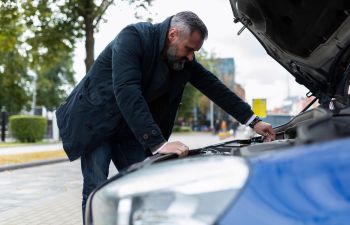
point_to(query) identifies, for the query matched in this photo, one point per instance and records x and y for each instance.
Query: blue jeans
(95, 164)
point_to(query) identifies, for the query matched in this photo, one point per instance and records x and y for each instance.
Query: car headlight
(188, 191)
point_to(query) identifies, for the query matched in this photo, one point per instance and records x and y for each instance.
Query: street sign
(259, 107)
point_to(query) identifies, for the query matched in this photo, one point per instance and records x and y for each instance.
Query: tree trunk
(89, 42)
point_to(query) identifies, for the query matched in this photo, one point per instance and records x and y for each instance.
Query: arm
(126, 66)
(215, 90)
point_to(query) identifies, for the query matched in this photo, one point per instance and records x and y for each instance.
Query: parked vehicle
(300, 178)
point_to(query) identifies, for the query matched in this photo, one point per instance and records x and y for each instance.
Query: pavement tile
(52, 211)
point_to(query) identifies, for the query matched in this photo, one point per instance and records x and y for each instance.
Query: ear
(172, 34)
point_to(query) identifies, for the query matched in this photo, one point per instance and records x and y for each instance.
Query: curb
(32, 164)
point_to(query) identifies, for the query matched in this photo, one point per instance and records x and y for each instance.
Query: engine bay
(312, 126)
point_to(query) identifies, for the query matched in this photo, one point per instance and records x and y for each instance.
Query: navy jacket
(125, 79)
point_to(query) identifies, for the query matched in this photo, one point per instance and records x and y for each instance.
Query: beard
(175, 62)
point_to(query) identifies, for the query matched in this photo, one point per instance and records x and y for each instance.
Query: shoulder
(144, 29)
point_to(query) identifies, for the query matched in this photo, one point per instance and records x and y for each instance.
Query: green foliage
(178, 128)
(191, 95)
(39, 36)
(13, 63)
(28, 128)
(189, 100)
(52, 45)
(34, 38)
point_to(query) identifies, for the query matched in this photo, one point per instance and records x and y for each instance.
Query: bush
(185, 129)
(28, 128)
(177, 128)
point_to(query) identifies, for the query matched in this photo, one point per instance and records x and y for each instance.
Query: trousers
(95, 164)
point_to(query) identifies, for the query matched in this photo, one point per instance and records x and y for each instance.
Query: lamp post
(33, 74)
(211, 68)
(3, 123)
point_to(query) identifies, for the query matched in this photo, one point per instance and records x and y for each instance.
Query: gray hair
(188, 22)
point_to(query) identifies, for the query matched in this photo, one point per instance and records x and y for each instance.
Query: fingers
(272, 133)
(184, 150)
(266, 130)
(269, 134)
(175, 147)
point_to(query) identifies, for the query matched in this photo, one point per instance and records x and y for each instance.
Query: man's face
(181, 47)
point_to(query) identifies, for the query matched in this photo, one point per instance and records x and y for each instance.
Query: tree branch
(101, 10)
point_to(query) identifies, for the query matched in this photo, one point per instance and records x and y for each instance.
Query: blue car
(303, 177)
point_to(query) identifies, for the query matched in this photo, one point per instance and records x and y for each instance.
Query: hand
(265, 129)
(175, 147)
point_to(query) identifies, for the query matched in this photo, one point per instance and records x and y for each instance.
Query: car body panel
(304, 185)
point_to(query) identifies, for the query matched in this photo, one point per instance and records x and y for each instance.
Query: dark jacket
(126, 78)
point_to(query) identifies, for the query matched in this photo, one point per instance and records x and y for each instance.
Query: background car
(300, 178)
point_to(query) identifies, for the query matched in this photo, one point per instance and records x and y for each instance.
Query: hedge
(178, 128)
(26, 128)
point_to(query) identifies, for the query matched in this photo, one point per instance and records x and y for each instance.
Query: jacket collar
(163, 28)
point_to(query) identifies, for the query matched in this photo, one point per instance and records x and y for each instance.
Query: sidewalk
(51, 194)
(63, 209)
(30, 148)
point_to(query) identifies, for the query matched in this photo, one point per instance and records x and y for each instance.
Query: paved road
(51, 194)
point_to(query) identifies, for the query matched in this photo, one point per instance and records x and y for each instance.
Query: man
(124, 108)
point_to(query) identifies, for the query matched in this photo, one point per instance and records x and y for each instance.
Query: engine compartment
(316, 125)
(312, 126)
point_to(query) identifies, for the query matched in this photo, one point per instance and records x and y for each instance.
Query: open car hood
(310, 38)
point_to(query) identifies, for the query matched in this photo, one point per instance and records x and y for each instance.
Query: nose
(190, 56)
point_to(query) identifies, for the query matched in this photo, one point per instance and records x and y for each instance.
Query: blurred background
(46, 47)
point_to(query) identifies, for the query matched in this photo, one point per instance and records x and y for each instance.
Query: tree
(51, 50)
(62, 24)
(39, 37)
(209, 61)
(86, 15)
(192, 97)
(13, 63)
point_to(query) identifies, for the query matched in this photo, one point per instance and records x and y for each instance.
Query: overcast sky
(258, 73)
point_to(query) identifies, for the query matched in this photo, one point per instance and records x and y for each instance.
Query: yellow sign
(259, 107)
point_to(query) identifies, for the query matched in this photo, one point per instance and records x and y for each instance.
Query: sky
(258, 73)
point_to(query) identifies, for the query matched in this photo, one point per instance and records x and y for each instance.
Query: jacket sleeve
(215, 90)
(127, 55)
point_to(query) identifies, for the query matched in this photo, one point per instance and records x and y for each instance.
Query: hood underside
(310, 38)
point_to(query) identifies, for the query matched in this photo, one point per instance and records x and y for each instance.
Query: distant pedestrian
(217, 126)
